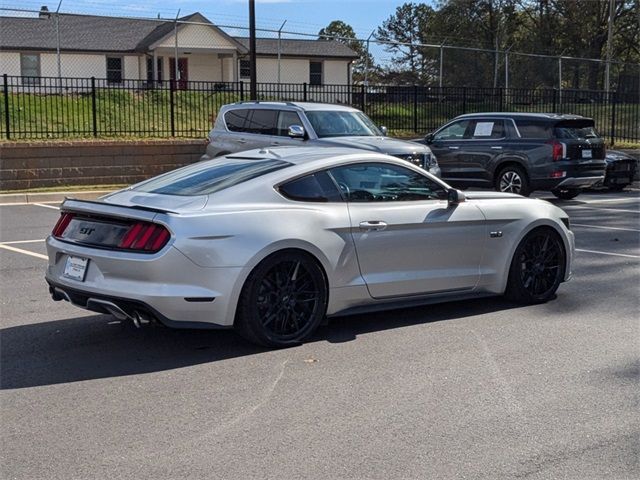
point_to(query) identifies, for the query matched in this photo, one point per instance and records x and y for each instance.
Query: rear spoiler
(136, 212)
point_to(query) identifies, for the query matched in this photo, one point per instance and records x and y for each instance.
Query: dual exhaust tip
(137, 317)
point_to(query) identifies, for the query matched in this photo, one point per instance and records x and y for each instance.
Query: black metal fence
(45, 107)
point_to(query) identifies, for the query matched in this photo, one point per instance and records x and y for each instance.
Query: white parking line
(20, 241)
(19, 204)
(605, 228)
(45, 206)
(607, 253)
(612, 200)
(601, 209)
(25, 252)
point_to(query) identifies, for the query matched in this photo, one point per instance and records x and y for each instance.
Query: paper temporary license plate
(587, 153)
(76, 268)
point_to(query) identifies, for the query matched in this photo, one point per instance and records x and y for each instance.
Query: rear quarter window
(317, 187)
(534, 129)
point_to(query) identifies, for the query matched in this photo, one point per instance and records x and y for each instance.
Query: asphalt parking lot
(470, 390)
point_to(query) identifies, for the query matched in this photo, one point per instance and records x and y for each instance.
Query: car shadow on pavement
(98, 346)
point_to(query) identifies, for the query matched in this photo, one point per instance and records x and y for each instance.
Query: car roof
(304, 106)
(541, 116)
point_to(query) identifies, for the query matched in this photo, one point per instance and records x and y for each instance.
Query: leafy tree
(404, 30)
(342, 32)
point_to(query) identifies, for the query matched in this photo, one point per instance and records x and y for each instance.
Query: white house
(120, 49)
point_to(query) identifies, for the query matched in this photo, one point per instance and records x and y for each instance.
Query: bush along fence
(48, 108)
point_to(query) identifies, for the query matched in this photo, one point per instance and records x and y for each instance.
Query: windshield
(342, 124)
(205, 179)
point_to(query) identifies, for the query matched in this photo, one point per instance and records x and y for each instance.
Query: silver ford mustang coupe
(271, 242)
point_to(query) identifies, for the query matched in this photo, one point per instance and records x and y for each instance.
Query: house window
(158, 69)
(114, 70)
(30, 68)
(315, 73)
(245, 68)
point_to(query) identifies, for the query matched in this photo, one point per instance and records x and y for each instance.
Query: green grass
(147, 114)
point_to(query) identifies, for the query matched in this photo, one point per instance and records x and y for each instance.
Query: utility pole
(253, 88)
(58, 43)
(176, 71)
(607, 78)
(279, 50)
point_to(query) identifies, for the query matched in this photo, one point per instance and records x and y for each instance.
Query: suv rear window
(205, 179)
(576, 129)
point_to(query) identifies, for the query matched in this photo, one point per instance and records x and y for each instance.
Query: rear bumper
(568, 182)
(166, 286)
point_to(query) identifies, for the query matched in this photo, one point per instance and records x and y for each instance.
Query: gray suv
(520, 152)
(248, 125)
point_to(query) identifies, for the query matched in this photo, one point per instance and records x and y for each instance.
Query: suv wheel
(512, 179)
(566, 193)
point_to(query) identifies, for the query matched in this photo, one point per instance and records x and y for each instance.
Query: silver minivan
(254, 124)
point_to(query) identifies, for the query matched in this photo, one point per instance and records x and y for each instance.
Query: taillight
(149, 237)
(557, 150)
(62, 224)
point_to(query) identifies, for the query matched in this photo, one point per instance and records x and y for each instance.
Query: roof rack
(291, 104)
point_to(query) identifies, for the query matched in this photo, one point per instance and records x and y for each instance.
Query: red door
(183, 72)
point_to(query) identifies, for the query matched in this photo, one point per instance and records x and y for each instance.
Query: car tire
(566, 193)
(283, 300)
(537, 267)
(512, 179)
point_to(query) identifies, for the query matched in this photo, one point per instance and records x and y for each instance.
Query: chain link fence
(81, 75)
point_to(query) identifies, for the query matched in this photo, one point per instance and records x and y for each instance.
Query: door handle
(373, 225)
(275, 144)
(497, 148)
(241, 140)
(454, 148)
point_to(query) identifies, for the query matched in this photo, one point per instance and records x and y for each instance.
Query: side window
(455, 131)
(30, 68)
(262, 122)
(114, 70)
(534, 129)
(381, 182)
(245, 69)
(315, 73)
(317, 187)
(487, 129)
(285, 120)
(236, 119)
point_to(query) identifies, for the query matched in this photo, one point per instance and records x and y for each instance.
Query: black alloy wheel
(566, 193)
(537, 267)
(283, 300)
(512, 179)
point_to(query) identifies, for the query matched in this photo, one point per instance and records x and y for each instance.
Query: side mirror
(428, 139)
(384, 131)
(296, 131)
(455, 197)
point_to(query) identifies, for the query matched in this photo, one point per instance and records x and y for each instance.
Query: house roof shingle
(92, 33)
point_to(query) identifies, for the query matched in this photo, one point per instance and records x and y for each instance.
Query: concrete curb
(49, 197)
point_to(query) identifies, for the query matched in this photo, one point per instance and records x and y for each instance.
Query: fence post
(94, 113)
(172, 88)
(501, 99)
(7, 123)
(304, 92)
(555, 100)
(464, 100)
(612, 100)
(363, 92)
(241, 91)
(415, 108)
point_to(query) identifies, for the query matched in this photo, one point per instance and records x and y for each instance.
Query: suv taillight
(150, 237)
(62, 224)
(557, 150)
